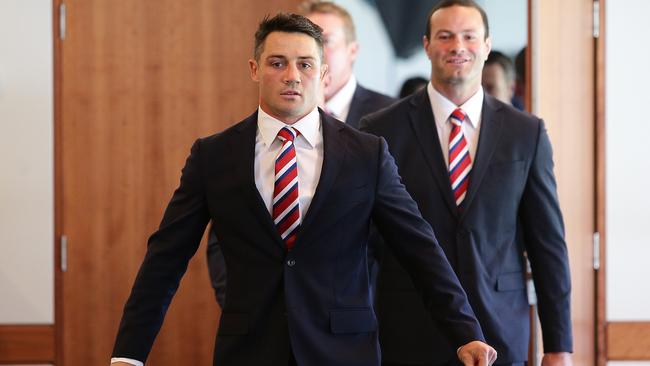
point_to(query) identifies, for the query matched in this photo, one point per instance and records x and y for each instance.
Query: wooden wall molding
(628, 341)
(26, 344)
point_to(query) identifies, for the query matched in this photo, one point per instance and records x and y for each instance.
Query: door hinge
(64, 253)
(62, 25)
(596, 20)
(596, 244)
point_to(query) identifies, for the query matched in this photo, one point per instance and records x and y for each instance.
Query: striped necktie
(460, 163)
(286, 211)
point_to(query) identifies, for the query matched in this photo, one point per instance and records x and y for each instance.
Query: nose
(291, 75)
(457, 43)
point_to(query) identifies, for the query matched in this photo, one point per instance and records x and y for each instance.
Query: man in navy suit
(345, 99)
(298, 279)
(481, 173)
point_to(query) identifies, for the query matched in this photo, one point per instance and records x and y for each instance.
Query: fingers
(477, 354)
(492, 356)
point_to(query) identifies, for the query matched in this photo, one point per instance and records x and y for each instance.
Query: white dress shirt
(339, 104)
(309, 157)
(442, 109)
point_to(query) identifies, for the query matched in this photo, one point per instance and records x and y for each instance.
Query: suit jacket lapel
(355, 107)
(244, 149)
(333, 154)
(489, 134)
(422, 121)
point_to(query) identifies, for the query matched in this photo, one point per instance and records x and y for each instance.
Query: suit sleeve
(217, 268)
(413, 242)
(543, 230)
(169, 250)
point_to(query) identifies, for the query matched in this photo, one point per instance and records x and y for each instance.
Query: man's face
(457, 47)
(339, 54)
(289, 72)
(496, 83)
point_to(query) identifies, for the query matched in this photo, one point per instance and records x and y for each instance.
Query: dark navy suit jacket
(364, 101)
(511, 206)
(313, 300)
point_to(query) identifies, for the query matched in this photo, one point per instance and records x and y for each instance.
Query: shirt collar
(443, 107)
(308, 126)
(339, 104)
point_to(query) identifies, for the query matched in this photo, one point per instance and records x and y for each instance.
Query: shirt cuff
(127, 360)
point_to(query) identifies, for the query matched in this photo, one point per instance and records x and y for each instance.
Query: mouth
(290, 93)
(457, 60)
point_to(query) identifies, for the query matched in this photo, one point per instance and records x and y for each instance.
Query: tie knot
(458, 116)
(287, 133)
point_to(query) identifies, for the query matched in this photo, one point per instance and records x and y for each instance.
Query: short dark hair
(498, 58)
(290, 23)
(412, 85)
(449, 3)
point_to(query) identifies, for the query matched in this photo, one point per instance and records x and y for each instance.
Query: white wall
(26, 160)
(627, 163)
(379, 69)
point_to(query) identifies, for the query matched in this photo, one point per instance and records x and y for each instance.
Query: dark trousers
(292, 359)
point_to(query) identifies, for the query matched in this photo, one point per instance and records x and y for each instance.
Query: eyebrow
(300, 58)
(462, 31)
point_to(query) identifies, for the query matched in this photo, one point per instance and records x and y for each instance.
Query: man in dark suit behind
(291, 192)
(503, 202)
(345, 99)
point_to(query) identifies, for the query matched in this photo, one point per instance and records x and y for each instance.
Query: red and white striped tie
(460, 163)
(286, 211)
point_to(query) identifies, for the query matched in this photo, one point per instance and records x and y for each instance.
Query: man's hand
(557, 359)
(477, 353)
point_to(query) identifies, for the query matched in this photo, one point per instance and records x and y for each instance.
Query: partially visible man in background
(345, 98)
(499, 77)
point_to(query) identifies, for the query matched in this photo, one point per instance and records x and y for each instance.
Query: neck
(335, 88)
(285, 118)
(457, 93)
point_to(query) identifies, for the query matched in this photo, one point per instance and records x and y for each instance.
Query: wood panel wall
(21, 344)
(140, 81)
(628, 341)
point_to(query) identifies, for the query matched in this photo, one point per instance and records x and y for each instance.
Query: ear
(488, 45)
(253, 66)
(323, 71)
(353, 50)
(425, 44)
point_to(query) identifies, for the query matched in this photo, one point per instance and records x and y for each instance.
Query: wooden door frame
(58, 183)
(599, 44)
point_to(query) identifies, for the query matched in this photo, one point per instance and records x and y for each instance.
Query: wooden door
(137, 82)
(564, 95)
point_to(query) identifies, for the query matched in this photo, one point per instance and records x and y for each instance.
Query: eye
(470, 37)
(444, 36)
(305, 65)
(276, 64)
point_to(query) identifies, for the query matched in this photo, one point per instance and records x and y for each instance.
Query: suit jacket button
(291, 262)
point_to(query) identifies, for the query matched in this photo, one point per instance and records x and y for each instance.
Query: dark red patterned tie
(460, 163)
(286, 210)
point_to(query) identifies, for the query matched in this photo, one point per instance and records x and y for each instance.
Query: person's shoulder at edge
(390, 114)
